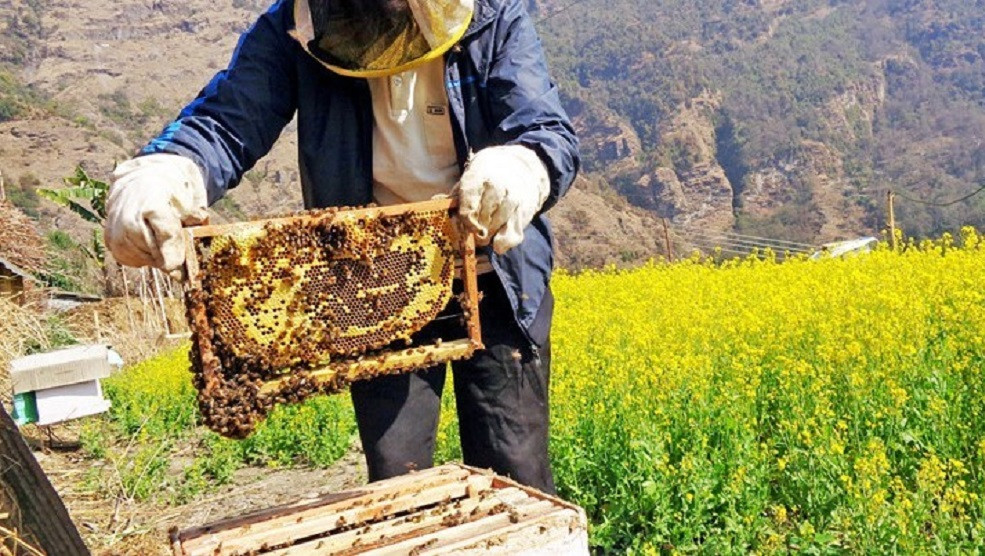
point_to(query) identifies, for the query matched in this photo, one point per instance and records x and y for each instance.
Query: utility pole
(891, 201)
(667, 245)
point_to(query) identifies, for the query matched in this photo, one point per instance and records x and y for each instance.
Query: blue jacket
(498, 89)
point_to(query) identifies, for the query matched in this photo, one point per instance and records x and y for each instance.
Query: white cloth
(500, 192)
(502, 187)
(151, 198)
(414, 155)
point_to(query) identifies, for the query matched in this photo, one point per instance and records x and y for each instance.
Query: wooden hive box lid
(59, 368)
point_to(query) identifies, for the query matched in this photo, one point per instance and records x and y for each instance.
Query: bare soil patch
(118, 526)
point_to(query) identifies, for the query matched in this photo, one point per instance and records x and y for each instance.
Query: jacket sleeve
(525, 104)
(238, 116)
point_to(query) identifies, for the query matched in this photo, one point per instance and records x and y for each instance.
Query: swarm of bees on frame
(279, 301)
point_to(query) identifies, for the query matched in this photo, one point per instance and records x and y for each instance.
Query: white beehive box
(60, 385)
(451, 509)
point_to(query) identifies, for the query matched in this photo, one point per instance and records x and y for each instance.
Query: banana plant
(81, 188)
(85, 197)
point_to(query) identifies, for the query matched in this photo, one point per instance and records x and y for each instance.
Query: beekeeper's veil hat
(376, 38)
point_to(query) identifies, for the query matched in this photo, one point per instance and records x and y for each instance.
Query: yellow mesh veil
(349, 48)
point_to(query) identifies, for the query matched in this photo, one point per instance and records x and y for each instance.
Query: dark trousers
(501, 394)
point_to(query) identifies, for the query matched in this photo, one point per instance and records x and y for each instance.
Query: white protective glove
(499, 194)
(151, 198)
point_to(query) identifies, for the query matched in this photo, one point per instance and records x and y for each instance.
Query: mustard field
(807, 406)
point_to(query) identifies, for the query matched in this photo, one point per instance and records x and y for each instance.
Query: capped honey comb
(286, 308)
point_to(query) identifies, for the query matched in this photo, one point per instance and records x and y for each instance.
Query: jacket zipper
(457, 114)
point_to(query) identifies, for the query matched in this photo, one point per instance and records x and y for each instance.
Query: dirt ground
(126, 527)
(113, 524)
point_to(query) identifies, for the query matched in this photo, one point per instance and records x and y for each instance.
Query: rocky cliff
(776, 118)
(116, 72)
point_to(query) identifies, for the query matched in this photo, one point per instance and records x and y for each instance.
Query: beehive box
(285, 308)
(59, 385)
(451, 509)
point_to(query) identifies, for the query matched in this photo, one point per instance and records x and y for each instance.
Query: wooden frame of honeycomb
(285, 308)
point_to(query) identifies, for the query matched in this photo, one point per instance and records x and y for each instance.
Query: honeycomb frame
(233, 396)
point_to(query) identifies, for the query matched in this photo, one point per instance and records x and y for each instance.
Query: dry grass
(124, 323)
(135, 330)
(22, 326)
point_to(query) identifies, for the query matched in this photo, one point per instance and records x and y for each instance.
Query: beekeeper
(397, 101)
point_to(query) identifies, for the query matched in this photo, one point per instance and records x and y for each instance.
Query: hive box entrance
(285, 308)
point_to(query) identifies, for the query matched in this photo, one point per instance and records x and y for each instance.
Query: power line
(715, 235)
(727, 250)
(734, 234)
(945, 204)
(700, 245)
(693, 235)
(704, 245)
(737, 235)
(745, 243)
(749, 239)
(711, 244)
(559, 11)
(713, 239)
(745, 236)
(716, 242)
(732, 250)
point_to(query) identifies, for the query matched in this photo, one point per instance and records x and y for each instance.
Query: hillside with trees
(795, 116)
(779, 118)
